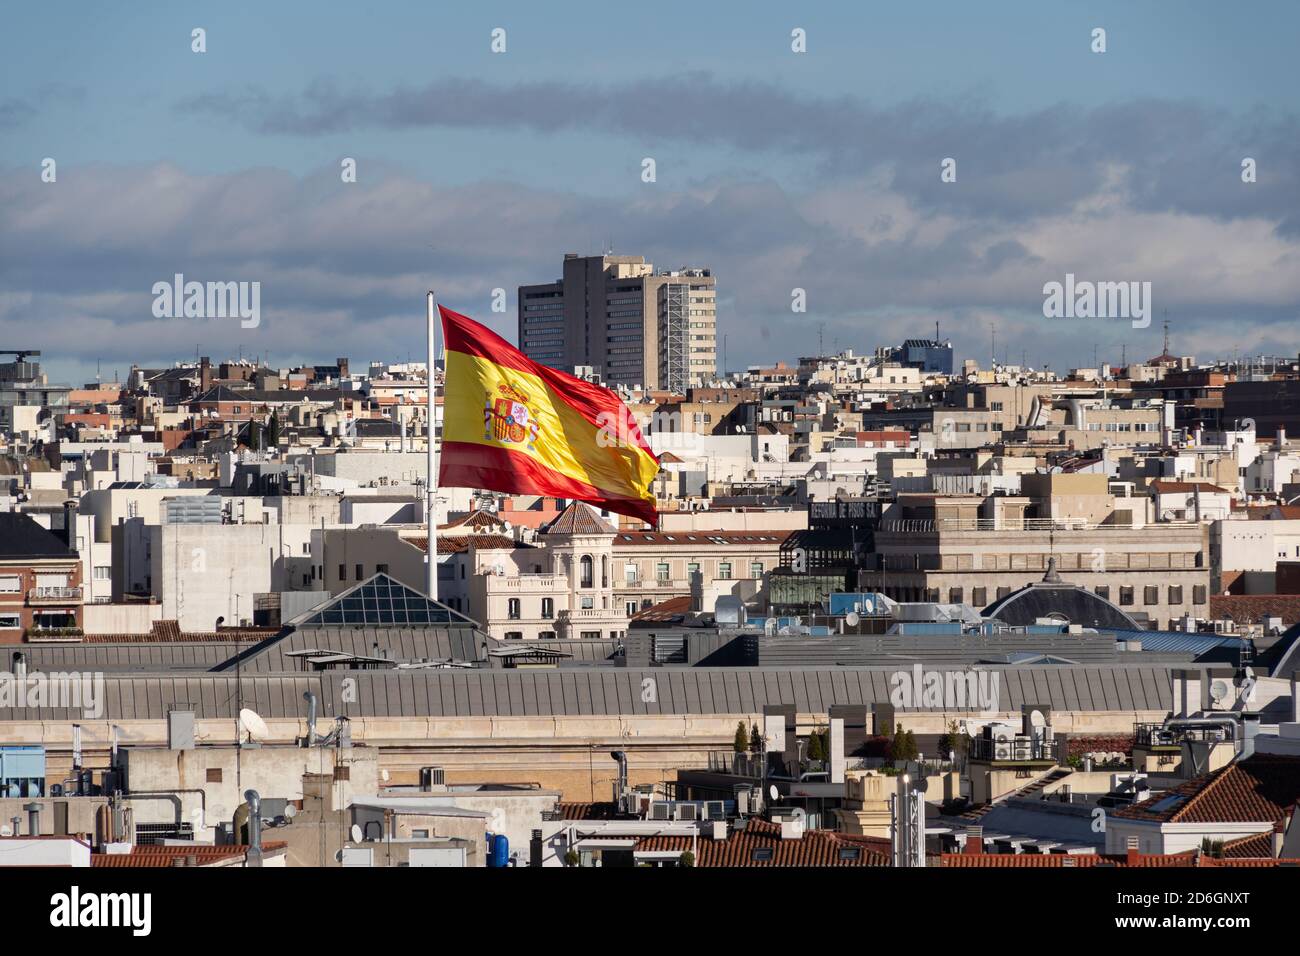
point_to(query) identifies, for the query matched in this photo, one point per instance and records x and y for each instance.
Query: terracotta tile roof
(477, 520)
(1057, 860)
(1259, 789)
(586, 811)
(1166, 486)
(1252, 847)
(664, 611)
(1253, 608)
(460, 544)
(578, 518)
(814, 848)
(150, 855)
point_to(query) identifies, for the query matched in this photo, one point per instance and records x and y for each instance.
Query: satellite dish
(356, 833)
(852, 619)
(290, 811)
(1037, 719)
(1219, 691)
(774, 793)
(253, 725)
(6, 831)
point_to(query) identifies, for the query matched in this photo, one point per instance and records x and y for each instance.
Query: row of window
(1127, 594)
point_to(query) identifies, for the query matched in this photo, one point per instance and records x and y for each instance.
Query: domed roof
(1059, 600)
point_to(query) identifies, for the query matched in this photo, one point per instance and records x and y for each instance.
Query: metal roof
(593, 691)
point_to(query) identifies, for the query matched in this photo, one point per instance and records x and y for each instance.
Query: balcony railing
(53, 595)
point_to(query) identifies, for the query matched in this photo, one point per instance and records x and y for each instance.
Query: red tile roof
(586, 811)
(1253, 608)
(814, 848)
(1259, 789)
(1057, 860)
(578, 519)
(169, 632)
(150, 855)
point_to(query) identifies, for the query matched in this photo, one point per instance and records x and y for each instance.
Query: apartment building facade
(977, 550)
(629, 323)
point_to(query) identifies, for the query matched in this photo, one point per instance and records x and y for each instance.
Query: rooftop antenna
(1166, 348)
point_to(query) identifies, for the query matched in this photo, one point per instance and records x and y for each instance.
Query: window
(631, 573)
(1126, 596)
(512, 609)
(692, 568)
(979, 596)
(1103, 591)
(1198, 594)
(585, 573)
(1175, 594)
(954, 595)
(755, 569)
(587, 603)
(343, 572)
(381, 569)
(591, 635)
(548, 608)
(420, 834)
(547, 635)
(1151, 595)
(10, 583)
(103, 572)
(724, 570)
(361, 573)
(514, 635)
(661, 571)
(214, 775)
(9, 622)
(631, 608)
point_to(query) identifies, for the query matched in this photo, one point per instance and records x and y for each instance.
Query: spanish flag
(512, 425)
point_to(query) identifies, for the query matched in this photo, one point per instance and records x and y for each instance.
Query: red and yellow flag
(512, 425)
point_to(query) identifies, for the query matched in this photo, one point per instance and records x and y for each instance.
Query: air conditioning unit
(661, 811)
(715, 810)
(687, 812)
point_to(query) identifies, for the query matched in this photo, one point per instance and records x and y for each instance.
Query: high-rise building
(631, 324)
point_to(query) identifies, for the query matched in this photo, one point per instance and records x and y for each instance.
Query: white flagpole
(431, 485)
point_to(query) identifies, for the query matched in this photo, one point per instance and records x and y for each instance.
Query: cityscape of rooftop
(572, 438)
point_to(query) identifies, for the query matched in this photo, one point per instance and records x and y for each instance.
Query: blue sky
(478, 170)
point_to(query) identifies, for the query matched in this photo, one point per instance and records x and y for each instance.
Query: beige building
(977, 550)
(632, 325)
(654, 566)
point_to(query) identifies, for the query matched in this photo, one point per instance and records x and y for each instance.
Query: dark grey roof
(594, 691)
(21, 537)
(1073, 604)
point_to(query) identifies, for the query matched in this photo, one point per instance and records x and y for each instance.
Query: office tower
(631, 324)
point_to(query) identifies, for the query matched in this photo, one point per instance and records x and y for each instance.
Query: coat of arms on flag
(506, 417)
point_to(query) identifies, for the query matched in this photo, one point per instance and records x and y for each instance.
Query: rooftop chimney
(1131, 844)
(974, 841)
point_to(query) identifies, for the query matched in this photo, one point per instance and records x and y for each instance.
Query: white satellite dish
(774, 793)
(252, 724)
(1219, 691)
(1037, 719)
(290, 811)
(852, 619)
(356, 833)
